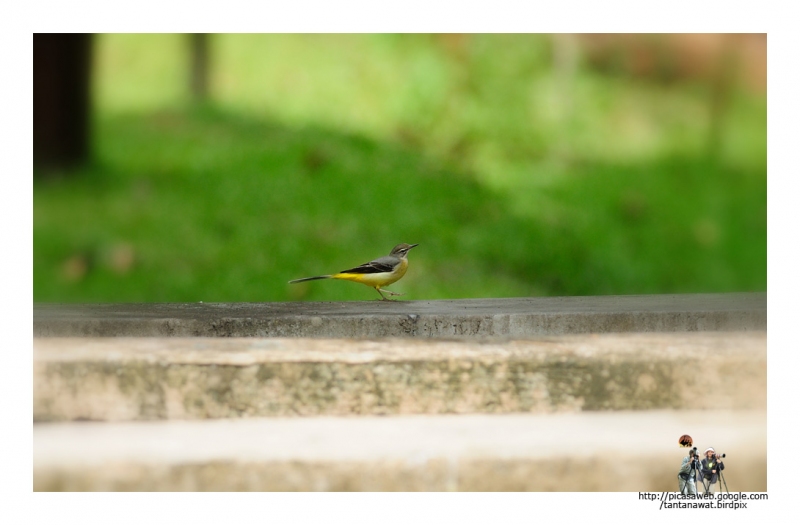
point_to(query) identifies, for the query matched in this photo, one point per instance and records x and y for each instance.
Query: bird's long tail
(311, 278)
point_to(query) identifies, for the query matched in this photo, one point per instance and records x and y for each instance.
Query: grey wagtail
(383, 271)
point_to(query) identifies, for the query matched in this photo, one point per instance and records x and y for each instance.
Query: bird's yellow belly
(375, 279)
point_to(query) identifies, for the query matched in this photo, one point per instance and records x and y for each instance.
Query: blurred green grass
(319, 152)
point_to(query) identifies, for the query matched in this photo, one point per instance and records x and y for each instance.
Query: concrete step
(517, 318)
(599, 451)
(197, 378)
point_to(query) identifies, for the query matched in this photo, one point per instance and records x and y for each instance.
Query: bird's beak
(413, 245)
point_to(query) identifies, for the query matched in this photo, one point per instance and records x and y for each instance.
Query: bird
(378, 273)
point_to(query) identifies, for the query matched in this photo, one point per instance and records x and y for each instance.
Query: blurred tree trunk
(199, 73)
(722, 84)
(566, 54)
(61, 82)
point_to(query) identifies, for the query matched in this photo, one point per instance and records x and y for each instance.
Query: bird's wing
(382, 265)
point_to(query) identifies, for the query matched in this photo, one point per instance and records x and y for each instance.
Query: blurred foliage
(316, 153)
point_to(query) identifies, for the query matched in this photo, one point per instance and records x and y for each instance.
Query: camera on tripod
(694, 458)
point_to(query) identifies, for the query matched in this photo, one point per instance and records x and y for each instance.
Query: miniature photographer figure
(711, 467)
(688, 473)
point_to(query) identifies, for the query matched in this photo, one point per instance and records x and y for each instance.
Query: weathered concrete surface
(622, 451)
(522, 317)
(191, 378)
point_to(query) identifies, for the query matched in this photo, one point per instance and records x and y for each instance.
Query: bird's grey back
(386, 260)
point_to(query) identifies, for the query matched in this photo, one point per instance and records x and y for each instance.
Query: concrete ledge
(197, 378)
(568, 452)
(522, 317)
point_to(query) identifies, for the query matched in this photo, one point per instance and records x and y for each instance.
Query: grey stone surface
(620, 451)
(520, 317)
(198, 378)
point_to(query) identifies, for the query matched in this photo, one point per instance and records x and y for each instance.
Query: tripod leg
(722, 479)
(705, 486)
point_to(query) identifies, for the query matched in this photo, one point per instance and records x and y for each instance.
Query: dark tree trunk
(61, 80)
(199, 78)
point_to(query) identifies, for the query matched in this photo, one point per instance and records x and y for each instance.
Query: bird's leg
(378, 289)
(391, 292)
